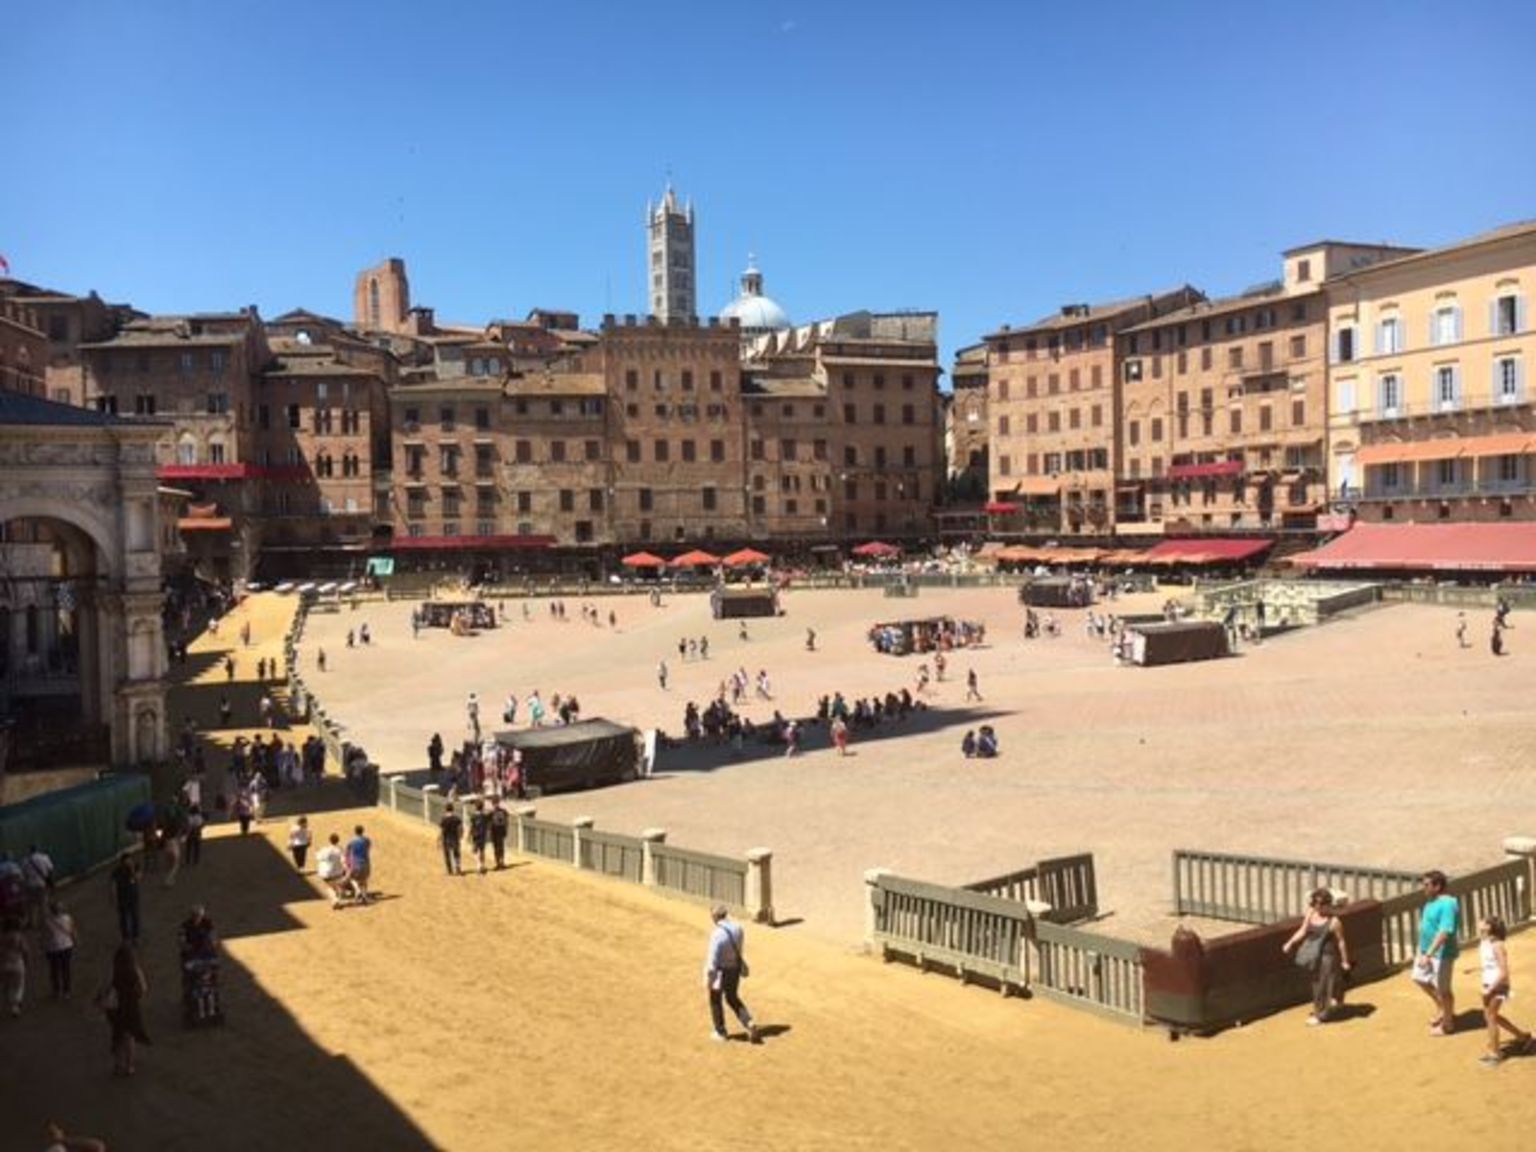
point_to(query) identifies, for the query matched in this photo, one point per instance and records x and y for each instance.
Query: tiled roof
(20, 408)
(1093, 313)
(1503, 232)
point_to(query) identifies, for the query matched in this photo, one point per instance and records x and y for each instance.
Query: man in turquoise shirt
(1439, 926)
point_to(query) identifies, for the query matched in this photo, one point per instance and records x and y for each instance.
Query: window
(144, 405)
(522, 451)
(1507, 314)
(1031, 423)
(293, 416)
(186, 451)
(1447, 472)
(482, 419)
(714, 382)
(1235, 421)
(1074, 379)
(687, 380)
(187, 363)
(1003, 426)
(1002, 389)
(631, 380)
(1132, 371)
(1447, 388)
(1235, 356)
(1266, 418)
(1298, 413)
(908, 414)
(879, 382)
(662, 452)
(1389, 336)
(525, 502)
(1445, 325)
(908, 456)
(448, 463)
(451, 504)
(755, 450)
(818, 450)
(1031, 387)
(717, 451)
(1053, 421)
(1303, 271)
(880, 456)
(1298, 346)
(708, 498)
(1509, 469)
(1157, 429)
(592, 449)
(1096, 376)
(1506, 380)
(1096, 416)
(1344, 397)
(557, 451)
(647, 502)
(850, 414)
(1205, 359)
(445, 417)
(218, 403)
(850, 456)
(1005, 466)
(879, 414)
(690, 452)
(1344, 345)
(1053, 383)
(1133, 433)
(1075, 418)
(567, 500)
(1389, 394)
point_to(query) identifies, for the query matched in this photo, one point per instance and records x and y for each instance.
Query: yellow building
(1430, 418)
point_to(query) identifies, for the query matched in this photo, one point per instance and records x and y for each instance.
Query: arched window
(186, 449)
(373, 303)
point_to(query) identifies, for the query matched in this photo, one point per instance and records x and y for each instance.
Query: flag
(5, 266)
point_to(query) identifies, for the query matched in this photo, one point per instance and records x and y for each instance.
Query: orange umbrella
(745, 557)
(877, 548)
(695, 559)
(643, 560)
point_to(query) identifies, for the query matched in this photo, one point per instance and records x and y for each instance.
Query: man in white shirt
(724, 966)
(331, 867)
(37, 875)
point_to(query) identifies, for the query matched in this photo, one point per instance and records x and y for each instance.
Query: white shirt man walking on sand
(724, 968)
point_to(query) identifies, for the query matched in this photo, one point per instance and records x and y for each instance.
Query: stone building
(199, 377)
(965, 425)
(82, 654)
(23, 349)
(673, 267)
(1053, 398)
(674, 402)
(1431, 415)
(67, 322)
(1222, 419)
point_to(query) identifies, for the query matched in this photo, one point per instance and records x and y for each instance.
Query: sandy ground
(542, 1008)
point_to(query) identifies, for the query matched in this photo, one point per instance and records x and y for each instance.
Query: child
(1495, 961)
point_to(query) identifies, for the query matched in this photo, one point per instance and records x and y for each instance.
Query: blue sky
(987, 160)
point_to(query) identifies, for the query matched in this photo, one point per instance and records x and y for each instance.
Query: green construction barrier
(78, 827)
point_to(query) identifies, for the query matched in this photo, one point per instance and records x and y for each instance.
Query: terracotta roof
(559, 384)
(1095, 313)
(20, 408)
(1503, 232)
(1205, 309)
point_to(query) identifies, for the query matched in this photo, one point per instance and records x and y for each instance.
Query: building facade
(23, 349)
(966, 428)
(1431, 416)
(1053, 398)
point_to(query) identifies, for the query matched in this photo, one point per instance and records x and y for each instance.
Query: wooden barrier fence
(705, 877)
(1261, 890)
(1497, 891)
(1068, 884)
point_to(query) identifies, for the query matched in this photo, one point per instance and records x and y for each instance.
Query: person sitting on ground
(986, 743)
(968, 745)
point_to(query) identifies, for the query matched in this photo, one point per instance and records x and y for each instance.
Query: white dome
(756, 312)
(752, 310)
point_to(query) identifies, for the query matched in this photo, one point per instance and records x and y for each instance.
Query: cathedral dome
(753, 311)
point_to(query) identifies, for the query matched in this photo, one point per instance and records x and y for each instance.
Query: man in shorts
(360, 862)
(1439, 925)
(331, 867)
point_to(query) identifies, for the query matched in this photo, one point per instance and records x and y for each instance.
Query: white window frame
(1508, 380)
(186, 451)
(1446, 385)
(1445, 325)
(1389, 384)
(1389, 335)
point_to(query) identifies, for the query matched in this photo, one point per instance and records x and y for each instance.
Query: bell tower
(671, 274)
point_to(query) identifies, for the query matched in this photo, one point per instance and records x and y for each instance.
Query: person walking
(192, 845)
(1461, 630)
(299, 839)
(661, 674)
(450, 834)
(1494, 961)
(122, 998)
(472, 714)
(360, 862)
(124, 881)
(1323, 951)
(1439, 923)
(226, 711)
(499, 825)
(840, 735)
(13, 965)
(724, 968)
(37, 876)
(60, 938)
(479, 832)
(972, 686)
(241, 811)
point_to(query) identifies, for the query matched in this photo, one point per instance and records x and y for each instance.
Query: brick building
(965, 425)
(67, 322)
(1053, 398)
(23, 349)
(200, 374)
(1431, 416)
(1223, 406)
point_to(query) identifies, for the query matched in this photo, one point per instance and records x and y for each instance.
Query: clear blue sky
(987, 160)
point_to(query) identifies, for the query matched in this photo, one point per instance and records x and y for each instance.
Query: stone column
(523, 814)
(760, 885)
(578, 826)
(649, 839)
(1524, 848)
(872, 880)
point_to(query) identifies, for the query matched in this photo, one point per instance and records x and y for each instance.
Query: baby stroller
(201, 1003)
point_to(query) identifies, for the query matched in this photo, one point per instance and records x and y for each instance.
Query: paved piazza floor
(1372, 740)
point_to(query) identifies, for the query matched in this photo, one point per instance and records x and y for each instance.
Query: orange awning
(1413, 451)
(1038, 486)
(1502, 444)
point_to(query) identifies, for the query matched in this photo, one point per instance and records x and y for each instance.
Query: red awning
(1429, 548)
(204, 472)
(1202, 550)
(467, 543)
(643, 560)
(1000, 508)
(698, 558)
(1206, 471)
(877, 548)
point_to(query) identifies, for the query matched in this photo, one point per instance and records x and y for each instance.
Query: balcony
(1377, 492)
(1424, 409)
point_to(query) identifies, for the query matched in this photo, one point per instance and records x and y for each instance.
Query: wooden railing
(1497, 891)
(1260, 890)
(700, 874)
(1068, 884)
(980, 934)
(613, 855)
(549, 840)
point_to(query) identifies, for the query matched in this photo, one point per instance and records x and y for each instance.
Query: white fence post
(394, 793)
(427, 792)
(760, 885)
(872, 879)
(1524, 848)
(648, 841)
(578, 826)
(524, 814)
